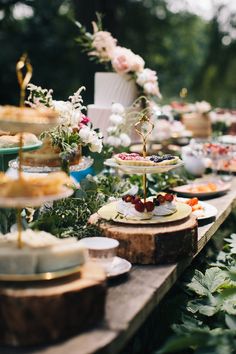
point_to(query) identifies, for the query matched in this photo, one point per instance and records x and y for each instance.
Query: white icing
(114, 88)
(167, 208)
(41, 252)
(129, 211)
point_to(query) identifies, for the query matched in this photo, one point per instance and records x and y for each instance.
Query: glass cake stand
(85, 163)
(7, 154)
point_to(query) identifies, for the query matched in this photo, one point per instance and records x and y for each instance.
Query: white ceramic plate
(119, 266)
(209, 210)
(222, 188)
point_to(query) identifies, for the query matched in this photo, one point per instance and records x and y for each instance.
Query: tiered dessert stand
(159, 239)
(41, 307)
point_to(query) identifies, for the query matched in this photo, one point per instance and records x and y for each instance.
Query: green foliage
(208, 322)
(69, 217)
(161, 182)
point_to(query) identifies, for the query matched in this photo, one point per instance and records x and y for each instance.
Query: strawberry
(149, 206)
(169, 197)
(139, 207)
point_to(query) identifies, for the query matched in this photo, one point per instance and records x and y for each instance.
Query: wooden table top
(131, 300)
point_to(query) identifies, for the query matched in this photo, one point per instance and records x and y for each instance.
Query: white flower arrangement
(101, 46)
(116, 131)
(72, 119)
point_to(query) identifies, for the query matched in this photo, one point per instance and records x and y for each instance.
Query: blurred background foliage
(185, 49)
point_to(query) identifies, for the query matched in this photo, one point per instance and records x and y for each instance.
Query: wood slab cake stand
(154, 244)
(40, 312)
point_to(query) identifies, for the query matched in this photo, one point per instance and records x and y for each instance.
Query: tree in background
(185, 50)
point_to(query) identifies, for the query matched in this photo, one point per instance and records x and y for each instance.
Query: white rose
(111, 130)
(116, 119)
(125, 140)
(96, 146)
(75, 118)
(117, 108)
(113, 141)
(84, 134)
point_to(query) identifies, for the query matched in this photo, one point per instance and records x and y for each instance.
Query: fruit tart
(135, 159)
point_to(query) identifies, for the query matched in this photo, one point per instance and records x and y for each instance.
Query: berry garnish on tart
(135, 159)
(166, 159)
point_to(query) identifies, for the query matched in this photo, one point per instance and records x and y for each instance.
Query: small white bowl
(101, 249)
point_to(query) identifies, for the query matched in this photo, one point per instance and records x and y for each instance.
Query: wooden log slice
(41, 312)
(154, 244)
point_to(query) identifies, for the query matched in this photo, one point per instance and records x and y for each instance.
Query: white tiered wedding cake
(110, 88)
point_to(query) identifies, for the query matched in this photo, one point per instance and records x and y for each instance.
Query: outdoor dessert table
(131, 300)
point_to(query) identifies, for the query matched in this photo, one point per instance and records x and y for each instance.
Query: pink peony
(151, 88)
(147, 75)
(124, 61)
(104, 45)
(85, 120)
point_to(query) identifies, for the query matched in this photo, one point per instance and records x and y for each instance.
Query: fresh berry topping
(156, 202)
(139, 207)
(161, 198)
(169, 197)
(157, 158)
(135, 200)
(128, 198)
(149, 206)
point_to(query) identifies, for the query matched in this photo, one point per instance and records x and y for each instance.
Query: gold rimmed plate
(109, 212)
(40, 276)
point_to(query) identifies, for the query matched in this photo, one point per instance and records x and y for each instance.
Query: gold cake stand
(21, 202)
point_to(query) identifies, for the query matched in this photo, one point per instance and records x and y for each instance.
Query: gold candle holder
(23, 82)
(144, 128)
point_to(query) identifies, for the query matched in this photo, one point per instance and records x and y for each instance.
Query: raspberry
(149, 206)
(169, 197)
(139, 207)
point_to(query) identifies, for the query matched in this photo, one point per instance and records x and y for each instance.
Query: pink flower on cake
(149, 81)
(147, 75)
(104, 45)
(85, 120)
(151, 88)
(124, 61)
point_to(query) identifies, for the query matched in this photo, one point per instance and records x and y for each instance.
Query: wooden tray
(154, 244)
(46, 311)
